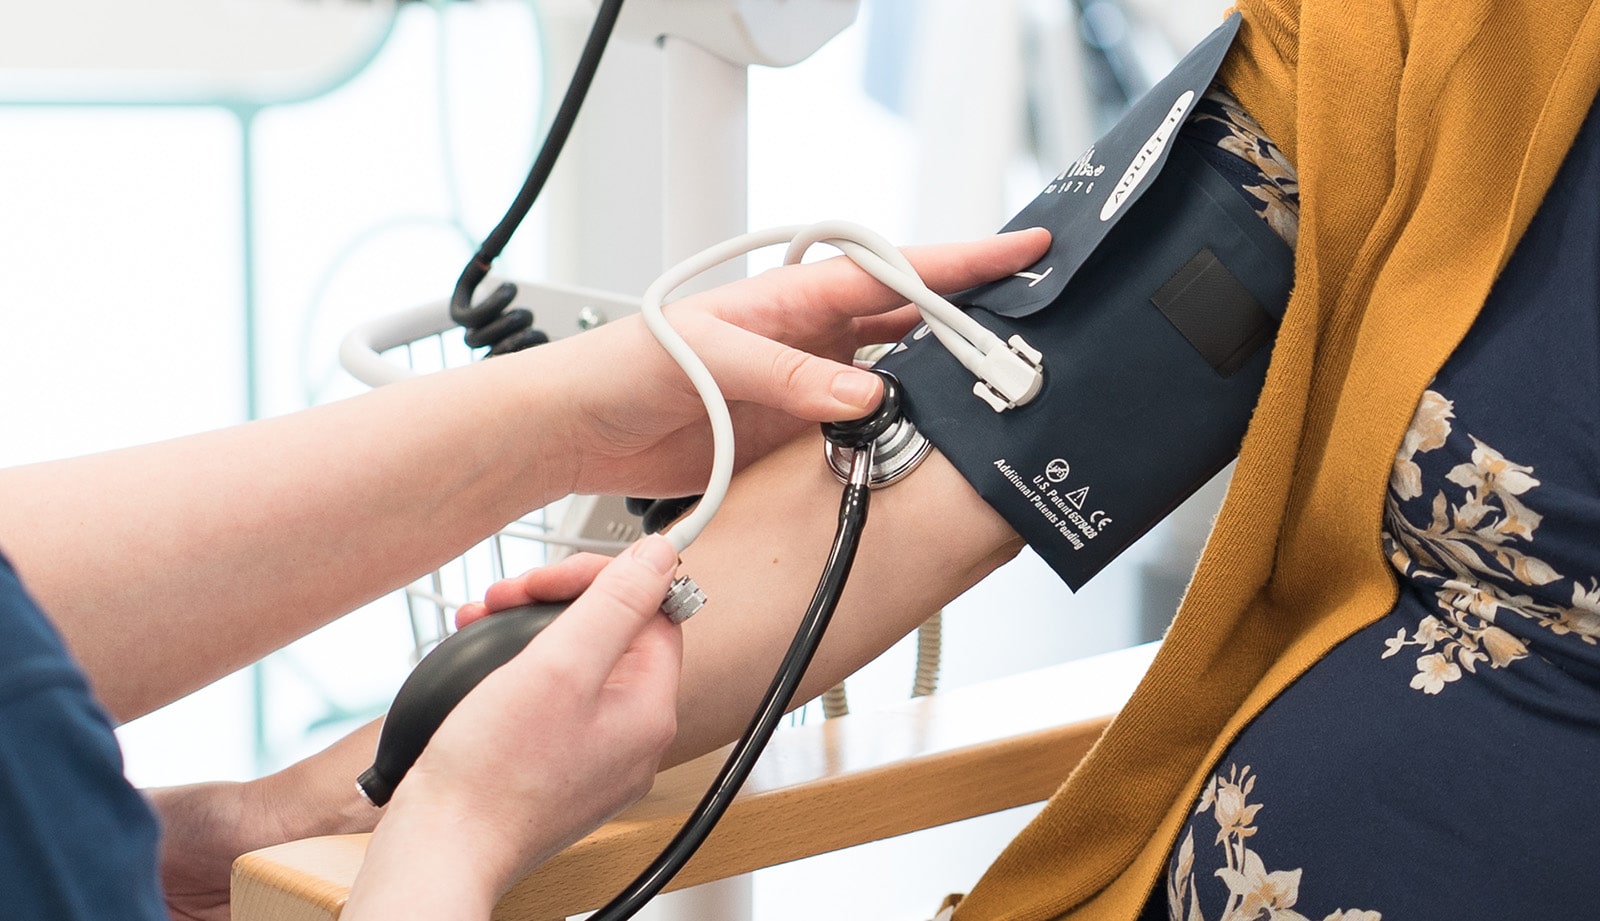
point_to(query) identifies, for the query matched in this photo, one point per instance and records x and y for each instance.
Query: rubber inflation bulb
(439, 682)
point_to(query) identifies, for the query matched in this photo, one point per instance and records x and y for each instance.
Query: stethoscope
(868, 452)
(454, 667)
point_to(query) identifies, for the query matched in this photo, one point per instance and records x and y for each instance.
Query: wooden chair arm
(863, 777)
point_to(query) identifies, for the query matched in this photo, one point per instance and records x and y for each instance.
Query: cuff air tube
(1154, 311)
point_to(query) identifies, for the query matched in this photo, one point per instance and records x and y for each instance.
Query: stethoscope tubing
(774, 704)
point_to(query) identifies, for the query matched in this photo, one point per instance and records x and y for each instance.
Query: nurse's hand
(779, 345)
(545, 583)
(542, 751)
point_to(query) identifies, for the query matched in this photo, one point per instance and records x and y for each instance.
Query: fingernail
(657, 552)
(855, 388)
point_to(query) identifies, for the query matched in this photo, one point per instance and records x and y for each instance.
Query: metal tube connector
(683, 600)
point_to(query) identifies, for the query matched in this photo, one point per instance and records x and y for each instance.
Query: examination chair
(866, 776)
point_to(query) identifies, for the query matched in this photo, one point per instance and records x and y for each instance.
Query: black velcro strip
(1215, 312)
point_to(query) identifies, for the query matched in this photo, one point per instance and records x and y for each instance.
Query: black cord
(488, 322)
(852, 519)
(658, 514)
(451, 671)
(860, 436)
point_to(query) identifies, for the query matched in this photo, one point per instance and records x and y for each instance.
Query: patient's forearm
(927, 539)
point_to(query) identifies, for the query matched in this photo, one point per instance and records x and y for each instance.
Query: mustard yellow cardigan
(1425, 133)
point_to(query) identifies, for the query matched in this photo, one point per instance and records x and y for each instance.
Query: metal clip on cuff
(1010, 376)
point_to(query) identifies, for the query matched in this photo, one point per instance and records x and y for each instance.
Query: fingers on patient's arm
(752, 367)
(610, 593)
(886, 327)
(816, 389)
(839, 285)
(949, 267)
(624, 594)
(612, 615)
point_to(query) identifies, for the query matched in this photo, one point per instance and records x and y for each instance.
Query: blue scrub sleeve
(77, 841)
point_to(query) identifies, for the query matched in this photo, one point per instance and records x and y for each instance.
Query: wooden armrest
(863, 777)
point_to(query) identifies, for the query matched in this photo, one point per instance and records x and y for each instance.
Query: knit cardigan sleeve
(1260, 70)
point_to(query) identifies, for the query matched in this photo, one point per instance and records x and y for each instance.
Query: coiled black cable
(489, 323)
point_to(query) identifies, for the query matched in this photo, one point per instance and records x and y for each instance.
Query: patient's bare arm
(928, 538)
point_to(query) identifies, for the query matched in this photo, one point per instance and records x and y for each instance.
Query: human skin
(758, 588)
(213, 550)
(167, 566)
(496, 793)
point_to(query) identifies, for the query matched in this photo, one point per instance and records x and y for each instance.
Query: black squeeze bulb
(438, 683)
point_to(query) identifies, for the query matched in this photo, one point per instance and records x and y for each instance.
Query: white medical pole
(657, 168)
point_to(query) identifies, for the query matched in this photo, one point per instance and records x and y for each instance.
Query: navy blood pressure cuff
(1154, 311)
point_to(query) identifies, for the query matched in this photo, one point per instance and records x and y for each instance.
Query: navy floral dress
(1444, 763)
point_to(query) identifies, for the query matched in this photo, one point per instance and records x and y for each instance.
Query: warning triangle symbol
(1077, 496)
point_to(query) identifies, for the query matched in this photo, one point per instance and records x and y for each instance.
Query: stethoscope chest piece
(898, 448)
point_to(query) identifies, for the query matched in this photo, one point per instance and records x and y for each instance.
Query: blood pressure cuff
(1154, 310)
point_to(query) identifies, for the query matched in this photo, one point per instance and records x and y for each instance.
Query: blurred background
(199, 198)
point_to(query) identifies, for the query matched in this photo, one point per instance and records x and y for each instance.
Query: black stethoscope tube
(720, 795)
(449, 672)
(802, 649)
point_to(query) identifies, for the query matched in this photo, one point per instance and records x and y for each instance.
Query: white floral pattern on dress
(1254, 892)
(1474, 553)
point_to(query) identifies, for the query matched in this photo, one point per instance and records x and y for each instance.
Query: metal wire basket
(423, 340)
